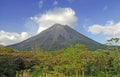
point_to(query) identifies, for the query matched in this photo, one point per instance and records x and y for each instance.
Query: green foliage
(75, 61)
(5, 50)
(19, 64)
(35, 74)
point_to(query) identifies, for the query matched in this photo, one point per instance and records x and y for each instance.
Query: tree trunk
(66, 72)
(17, 74)
(83, 73)
(42, 73)
(106, 73)
(77, 73)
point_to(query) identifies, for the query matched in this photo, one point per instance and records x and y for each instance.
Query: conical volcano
(56, 37)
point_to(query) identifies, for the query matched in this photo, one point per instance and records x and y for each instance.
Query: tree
(115, 44)
(19, 64)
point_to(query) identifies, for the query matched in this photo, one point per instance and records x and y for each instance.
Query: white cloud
(55, 2)
(64, 16)
(40, 4)
(7, 38)
(110, 28)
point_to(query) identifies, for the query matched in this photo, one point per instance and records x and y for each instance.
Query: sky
(22, 19)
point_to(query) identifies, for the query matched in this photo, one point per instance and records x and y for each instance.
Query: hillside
(56, 37)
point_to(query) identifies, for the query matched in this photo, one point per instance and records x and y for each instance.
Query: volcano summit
(56, 37)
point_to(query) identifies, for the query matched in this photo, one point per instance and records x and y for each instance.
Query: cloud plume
(7, 38)
(110, 28)
(64, 16)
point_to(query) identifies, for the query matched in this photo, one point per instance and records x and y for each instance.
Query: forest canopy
(75, 61)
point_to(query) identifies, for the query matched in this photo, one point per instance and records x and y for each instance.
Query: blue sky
(97, 19)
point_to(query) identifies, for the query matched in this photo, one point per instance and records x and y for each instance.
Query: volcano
(57, 37)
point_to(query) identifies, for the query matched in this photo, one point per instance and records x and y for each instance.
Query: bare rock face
(56, 37)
